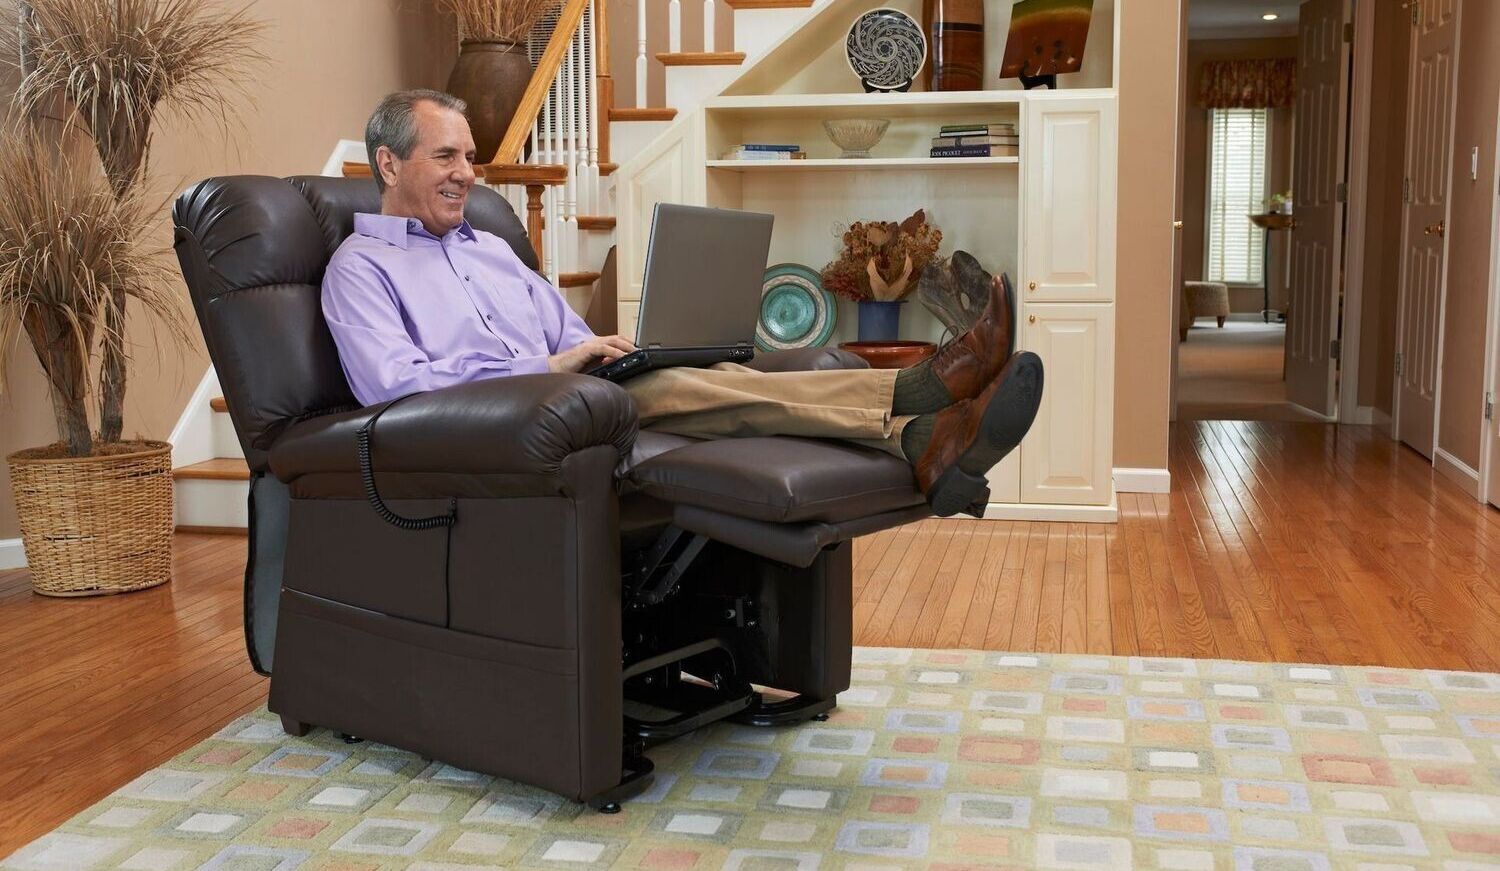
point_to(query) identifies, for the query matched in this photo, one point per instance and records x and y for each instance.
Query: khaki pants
(728, 400)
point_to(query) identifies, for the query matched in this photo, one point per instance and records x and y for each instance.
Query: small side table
(1270, 222)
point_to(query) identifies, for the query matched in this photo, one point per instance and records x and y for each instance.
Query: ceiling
(1240, 19)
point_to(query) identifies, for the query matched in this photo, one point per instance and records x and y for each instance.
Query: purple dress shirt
(412, 312)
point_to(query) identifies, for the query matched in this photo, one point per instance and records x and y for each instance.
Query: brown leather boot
(971, 436)
(969, 363)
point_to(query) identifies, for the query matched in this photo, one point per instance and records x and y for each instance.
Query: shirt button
(489, 317)
(468, 278)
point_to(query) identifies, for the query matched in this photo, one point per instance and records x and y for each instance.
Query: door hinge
(1406, 190)
(1333, 349)
(1348, 31)
(1341, 193)
(1398, 362)
(1489, 406)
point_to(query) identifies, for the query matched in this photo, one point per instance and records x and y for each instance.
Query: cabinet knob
(1031, 320)
(1031, 286)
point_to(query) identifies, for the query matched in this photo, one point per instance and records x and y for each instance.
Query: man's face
(433, 184)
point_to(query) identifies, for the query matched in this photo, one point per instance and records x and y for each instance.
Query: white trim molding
(12, 554)
(1143, 481)
(1053, 513)
(1457, 471)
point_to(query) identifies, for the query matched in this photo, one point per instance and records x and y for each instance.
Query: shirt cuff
(529, 365)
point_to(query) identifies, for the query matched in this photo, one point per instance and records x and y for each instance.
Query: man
(417, 300)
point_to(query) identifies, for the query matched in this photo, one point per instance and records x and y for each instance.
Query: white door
(1065, 459)
(1068, 158)
(1317, 175)
(1429, 142)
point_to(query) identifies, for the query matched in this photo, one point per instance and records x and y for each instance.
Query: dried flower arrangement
(498, 20)
(880, 260)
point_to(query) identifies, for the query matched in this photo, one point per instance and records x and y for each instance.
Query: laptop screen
(704, 269)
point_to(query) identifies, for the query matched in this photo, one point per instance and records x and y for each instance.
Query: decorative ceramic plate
(795, 310)
(886, 49)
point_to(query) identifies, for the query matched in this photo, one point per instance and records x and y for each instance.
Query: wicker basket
(95, 525)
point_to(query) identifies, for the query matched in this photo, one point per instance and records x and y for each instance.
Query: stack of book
(976, 140)
(765, 151)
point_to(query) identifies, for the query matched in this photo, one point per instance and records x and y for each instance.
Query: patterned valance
(1248, 84)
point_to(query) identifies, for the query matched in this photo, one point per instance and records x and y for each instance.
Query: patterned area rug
(934, 759)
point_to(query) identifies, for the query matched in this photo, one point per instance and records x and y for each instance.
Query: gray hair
(393, 124)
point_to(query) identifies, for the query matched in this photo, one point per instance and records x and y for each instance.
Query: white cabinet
(1066, 458)
(669, 171)
(1068, 158)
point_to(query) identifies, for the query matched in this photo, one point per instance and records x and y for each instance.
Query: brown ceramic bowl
(891, 355)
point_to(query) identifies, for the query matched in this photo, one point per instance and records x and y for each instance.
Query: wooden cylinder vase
(491, 77)
(955, 35)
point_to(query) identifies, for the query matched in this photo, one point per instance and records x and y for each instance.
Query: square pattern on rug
(946, 760)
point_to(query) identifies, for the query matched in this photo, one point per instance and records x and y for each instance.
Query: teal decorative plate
(795, 310)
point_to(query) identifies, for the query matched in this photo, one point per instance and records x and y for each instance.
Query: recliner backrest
(253, 250)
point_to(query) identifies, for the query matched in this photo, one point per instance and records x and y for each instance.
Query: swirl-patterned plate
(795, 310)
(885, 48)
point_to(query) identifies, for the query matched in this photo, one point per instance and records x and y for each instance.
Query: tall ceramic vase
(491, 77)
(955, 31)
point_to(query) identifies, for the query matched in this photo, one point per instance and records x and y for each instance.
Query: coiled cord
(367, 476)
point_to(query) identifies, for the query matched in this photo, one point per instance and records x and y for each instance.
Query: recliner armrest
(806, 360)
(517, 425)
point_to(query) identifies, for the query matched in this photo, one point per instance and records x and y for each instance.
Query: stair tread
(576, 279)
(643, 113)
(218, 404)
(217, 469)
(770, 4)
(700, 58)
(596, 222)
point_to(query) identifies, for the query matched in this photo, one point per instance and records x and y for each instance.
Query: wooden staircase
(212, 494)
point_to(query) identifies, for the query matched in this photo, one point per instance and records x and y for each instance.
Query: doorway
(1238, 304)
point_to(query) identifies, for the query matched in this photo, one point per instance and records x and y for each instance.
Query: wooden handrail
(541, 82)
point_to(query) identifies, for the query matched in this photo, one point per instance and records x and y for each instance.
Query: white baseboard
(12, 554)
(1364, 415)
(1143, 481)
(1055, 513)
(1457, 471)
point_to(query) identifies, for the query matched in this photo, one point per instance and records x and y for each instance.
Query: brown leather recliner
(506, 575)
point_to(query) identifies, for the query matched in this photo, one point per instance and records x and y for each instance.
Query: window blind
(1236, 189)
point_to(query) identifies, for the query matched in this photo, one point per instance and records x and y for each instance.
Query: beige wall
(330, 61)
(1470, 233)
(1195, 164)
(1384, 172)
(1149, 43)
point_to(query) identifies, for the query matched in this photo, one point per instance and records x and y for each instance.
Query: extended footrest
(696, 705)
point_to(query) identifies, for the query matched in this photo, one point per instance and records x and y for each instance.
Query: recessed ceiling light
(1270, 16)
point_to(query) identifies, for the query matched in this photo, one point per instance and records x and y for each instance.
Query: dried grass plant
(498, 20)
(117, 62)
(880, 260)
(67, 244)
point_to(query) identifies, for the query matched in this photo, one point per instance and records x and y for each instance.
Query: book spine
(970, 151)
(759, 155)
(979, 130)
(755, 146)
(950, 141)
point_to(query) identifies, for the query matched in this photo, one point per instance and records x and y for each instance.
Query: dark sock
(919, 391)
(915, 436)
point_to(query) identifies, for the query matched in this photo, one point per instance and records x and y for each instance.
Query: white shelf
(827, 164)
(909, 105)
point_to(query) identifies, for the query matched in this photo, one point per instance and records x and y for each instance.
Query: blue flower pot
(879, 321)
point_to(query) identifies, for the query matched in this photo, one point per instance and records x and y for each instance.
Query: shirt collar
(397, 230)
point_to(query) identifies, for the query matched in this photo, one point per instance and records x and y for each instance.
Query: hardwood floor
(1284, 542)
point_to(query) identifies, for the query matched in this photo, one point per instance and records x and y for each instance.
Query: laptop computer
(701, 296)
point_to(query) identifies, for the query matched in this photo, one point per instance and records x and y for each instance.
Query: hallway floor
(1279, 542)
(1234, 373)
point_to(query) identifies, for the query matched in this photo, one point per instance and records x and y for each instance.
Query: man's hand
(604, 349)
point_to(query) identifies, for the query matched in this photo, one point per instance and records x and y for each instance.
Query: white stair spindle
(674, 26)
(589, 172)
(708, 25)
(640, 53)
(570, 160)
(596, 204)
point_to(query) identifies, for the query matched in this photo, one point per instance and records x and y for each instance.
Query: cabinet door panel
(1069, 230)
(1066, 458)
(1005, 479)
